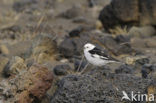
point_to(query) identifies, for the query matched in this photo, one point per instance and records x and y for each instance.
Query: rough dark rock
(61, 69)
(95, 86)
(150, 67)
(131, 12)
(122, 38)
(125, 10)
(147, 69)
(120, 12)
(148, 12)
(127, 69)
(72, 47)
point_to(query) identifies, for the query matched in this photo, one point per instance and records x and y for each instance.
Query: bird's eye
(86, 47)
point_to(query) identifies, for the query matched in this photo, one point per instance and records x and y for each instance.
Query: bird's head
(89, 46)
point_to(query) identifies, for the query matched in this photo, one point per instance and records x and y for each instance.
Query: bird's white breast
(96, 60)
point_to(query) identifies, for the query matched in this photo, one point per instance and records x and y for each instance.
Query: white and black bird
(96, 56)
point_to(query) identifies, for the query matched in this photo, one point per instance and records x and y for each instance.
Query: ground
(51, 34)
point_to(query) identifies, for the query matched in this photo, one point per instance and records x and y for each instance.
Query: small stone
(125, 48)
(73, 12)
(142, 61)
(130, 60)
(143, 32)
(3, 61)
(72, 47)
(150, 67)
(76, 32)
(67, 48)
(98, 25)
(136, 60)
(109, 43)
(29, 62)
(79, 65)
(91, 3)
(80, 19)
(150, 43)
(4, 50)
(61, 69)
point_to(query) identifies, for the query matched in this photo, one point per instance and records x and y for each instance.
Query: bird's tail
(116, 61)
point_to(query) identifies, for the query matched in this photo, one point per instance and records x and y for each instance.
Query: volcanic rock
(28, 86)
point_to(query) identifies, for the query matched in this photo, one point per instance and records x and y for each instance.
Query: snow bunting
(96, 56)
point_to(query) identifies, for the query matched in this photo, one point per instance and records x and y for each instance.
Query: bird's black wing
(102, 54)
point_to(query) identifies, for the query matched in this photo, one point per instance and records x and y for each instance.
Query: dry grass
(8, 19)
(119, 30)
(8, 1)
(38, 25)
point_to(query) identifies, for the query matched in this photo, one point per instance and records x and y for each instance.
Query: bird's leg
(84, 68)
(96, 67)
(80, 64)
